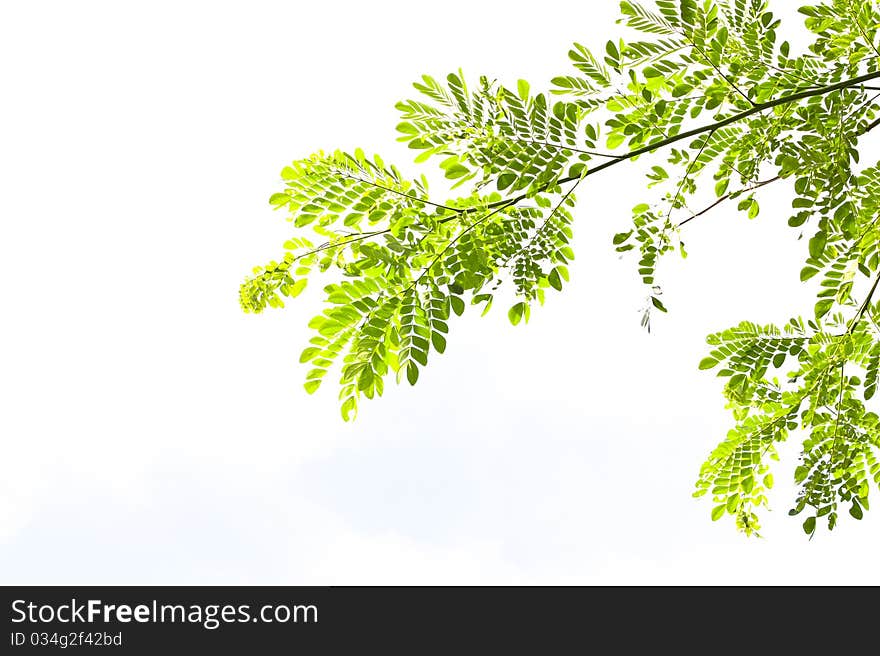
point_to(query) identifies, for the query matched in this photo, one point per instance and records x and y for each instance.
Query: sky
(152, 433)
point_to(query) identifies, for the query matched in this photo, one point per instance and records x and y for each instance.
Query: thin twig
(399, 193)
(722, 74)
(544, 224)
(725, 197)
(864, 306)
(687, 174)
(594, 153)
(459, 236)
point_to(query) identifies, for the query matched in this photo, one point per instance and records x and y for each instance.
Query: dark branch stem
(503, 204)
(770, 104)
(760, 184)
(864, 306)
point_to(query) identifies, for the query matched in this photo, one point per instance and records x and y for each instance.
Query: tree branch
(503, 204)
(802, 95)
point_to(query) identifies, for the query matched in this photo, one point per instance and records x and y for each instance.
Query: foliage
(711, 86)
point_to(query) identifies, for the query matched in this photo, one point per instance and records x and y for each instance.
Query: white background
(152, 433)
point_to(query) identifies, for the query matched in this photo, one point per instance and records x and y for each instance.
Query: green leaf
(823, 307)
(611, 49)
(732, 503)
(516, 313)
(297, 287)
(365, 380)
(809, 525)
(309, 353)
(407, 128)
(614, 140)
(817, 244)
(754, 209)
(412, 373)
(349, 409)
(279, 199)
(505, 180)
(681, 90)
